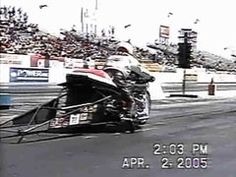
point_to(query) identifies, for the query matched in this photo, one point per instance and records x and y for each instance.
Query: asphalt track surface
(167, 87)
(207, 123)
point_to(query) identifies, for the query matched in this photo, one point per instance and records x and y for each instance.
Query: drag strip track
(22, 102)
(196, 87)
(192, 113)
(90, 153)
(165, 116)
(195, 111)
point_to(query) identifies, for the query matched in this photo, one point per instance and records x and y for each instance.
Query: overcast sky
(216, 28)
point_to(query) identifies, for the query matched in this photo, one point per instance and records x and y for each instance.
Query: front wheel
(128, 125)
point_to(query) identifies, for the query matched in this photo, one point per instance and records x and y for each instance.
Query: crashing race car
(92, 97)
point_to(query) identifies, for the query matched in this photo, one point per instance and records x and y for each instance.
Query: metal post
(96, 4)
(184, 81)
(82, 19)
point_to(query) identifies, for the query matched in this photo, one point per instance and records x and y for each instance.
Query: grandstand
(18, 36)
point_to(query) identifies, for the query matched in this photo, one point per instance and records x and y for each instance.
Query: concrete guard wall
(57, 73)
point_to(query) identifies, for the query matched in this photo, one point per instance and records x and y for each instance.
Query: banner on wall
(29, 75)
(55, 62)
(38, 60)
(14, 60)
(41, 61)
(72, 63)
(164, 31)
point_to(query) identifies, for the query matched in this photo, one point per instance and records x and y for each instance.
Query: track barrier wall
(23, 69)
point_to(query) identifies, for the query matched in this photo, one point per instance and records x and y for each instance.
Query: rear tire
(128, 126)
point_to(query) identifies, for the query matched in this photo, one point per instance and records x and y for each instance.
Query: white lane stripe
(146, 129)
(116, 134)
(89, 137)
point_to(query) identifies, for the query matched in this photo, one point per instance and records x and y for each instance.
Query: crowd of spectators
(200, 59)
(18, 36)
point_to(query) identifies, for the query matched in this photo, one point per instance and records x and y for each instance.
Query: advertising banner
(14, 60)
(41, 61)
(164, 31)
(72, 63)
(191, 77)
(28, 75)
(38, 60)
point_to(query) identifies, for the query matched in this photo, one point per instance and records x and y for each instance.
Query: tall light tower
(88, 17)
(96, 4)
(95, 16)
(82, 19)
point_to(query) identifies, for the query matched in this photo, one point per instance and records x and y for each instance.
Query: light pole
(82, 19)
(195, 34)
(95, 17)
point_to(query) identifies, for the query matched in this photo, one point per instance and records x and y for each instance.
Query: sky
(216, 27)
